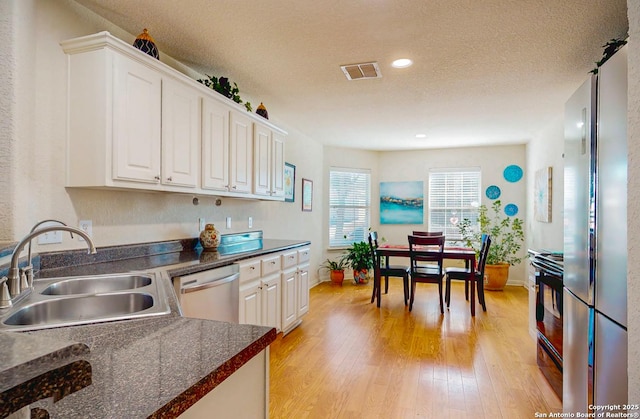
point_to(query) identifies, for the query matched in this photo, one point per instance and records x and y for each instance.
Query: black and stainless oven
(549, 271)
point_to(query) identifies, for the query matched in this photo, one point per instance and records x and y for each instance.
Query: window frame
(462, 211)
(355, 207)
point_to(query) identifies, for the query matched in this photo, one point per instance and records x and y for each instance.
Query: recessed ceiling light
(421, 135)
(402, 63)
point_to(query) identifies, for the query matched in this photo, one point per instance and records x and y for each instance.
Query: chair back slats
(484, 253)
(373, 245)
(426, 249)
(427, 233)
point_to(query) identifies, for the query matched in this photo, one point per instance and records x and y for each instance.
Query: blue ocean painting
(401, 202)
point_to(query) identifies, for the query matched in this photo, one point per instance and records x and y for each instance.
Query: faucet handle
(24, 283)
(5, 297)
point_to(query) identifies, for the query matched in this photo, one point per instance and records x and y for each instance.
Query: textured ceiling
(485, 72)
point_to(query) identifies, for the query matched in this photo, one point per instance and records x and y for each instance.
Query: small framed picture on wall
(289, 182)
(307, 194)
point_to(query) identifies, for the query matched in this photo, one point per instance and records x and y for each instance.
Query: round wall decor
(493, 192)
(511, 209)
(512, 173)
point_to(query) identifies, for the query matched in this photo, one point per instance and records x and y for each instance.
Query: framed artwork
(307, 194)
(542, 199)
(401, 202)
(289, 182)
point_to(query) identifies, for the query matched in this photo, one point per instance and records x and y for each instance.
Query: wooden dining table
(387, 250)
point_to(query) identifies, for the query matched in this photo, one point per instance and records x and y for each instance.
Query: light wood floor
(349, 359)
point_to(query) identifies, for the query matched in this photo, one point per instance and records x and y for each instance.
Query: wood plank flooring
(350, 359)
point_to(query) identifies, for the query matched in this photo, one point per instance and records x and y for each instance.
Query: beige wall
(546, 150)
(33, 150)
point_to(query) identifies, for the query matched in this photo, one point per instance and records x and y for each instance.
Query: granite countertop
(153, 367)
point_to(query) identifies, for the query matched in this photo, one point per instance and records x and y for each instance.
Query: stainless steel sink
(92, 307)
(95, 285)
(71, 301)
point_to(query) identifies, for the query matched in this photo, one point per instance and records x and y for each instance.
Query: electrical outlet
(201, 224)
(228, 222)
(50, 237)
(87, 227)
(250, 222)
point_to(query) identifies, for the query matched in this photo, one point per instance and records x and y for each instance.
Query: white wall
(33, 112)
(546, 150)
(633, 202)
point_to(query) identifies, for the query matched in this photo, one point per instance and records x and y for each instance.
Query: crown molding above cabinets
(135, 123)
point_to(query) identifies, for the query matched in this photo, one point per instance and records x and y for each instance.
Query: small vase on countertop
(209, 238)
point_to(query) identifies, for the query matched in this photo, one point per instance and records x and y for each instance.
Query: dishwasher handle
(209, 284)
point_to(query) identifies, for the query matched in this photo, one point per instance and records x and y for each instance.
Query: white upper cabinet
(215, 145)
(180, 134)
(136, 120)
(268, 162)
(136, 123)
(277, 159)
(241, 153)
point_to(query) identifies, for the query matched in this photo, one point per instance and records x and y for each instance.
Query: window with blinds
(349, 206)
(453, 196)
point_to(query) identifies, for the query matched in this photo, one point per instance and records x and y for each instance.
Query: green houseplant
(507, 238)
(358, 257)
(224, 87)
(335, 268)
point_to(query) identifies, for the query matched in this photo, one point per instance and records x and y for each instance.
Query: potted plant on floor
(507, 238)
(358, 257)
(336, 269)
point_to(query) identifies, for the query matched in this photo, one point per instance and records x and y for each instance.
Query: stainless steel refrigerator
(595, 241)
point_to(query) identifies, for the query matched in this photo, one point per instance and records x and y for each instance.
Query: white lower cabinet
(251, 303)
(271, 302)
(295, 288)
(274, 289)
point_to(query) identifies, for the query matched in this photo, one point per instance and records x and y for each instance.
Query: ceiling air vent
(361, 71)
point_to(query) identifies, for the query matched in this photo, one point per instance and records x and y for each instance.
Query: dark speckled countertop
(153, 367)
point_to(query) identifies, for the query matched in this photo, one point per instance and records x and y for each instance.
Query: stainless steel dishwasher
(211, 294)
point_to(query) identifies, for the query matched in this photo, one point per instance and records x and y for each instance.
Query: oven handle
(209, 284)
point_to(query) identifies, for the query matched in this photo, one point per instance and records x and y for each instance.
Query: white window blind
(349, 206)
(454, 194)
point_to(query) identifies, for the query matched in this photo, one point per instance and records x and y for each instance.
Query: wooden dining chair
(429, 250)
(463, 274)
(386, 270)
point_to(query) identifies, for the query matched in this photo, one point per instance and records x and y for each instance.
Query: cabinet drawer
(270, 265)
(304, 255)
(289, 259)
(249, 270)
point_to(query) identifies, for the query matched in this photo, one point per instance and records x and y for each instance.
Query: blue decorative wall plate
(511, 209)
(493, 192)
(513, 173)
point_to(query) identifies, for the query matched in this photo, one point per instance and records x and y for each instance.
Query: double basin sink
(79, 300)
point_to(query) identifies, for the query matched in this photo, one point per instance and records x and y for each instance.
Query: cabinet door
(180, 134)
(277, 161)
(215, 145)
(289, 298)
(303, 290)
(136, 121)
(271, 302)
(250, 304)
(241, 153)
(261, 160)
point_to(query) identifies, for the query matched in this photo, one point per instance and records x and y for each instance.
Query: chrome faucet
(26, 277)
(11, 286)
